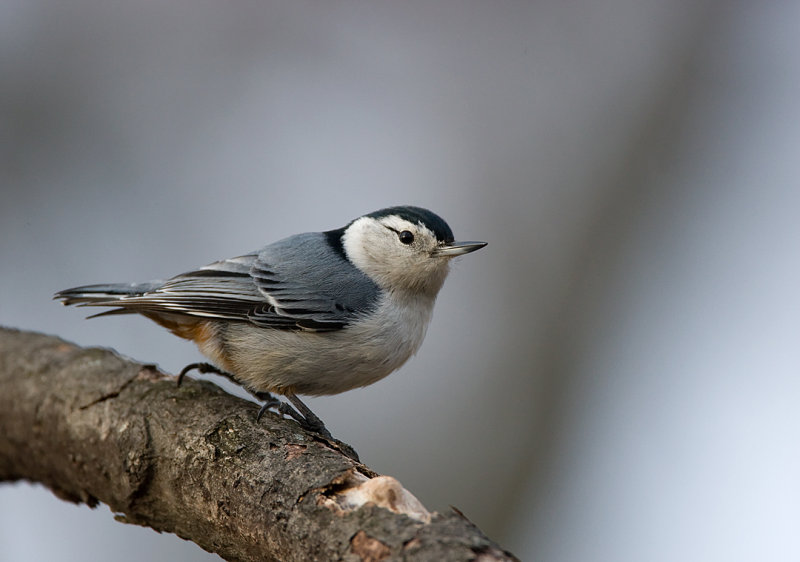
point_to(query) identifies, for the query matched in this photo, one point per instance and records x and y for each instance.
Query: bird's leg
(303, 415)
(203, 368)
(269, 401)
(309, 420)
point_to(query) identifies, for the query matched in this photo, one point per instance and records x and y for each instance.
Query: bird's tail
(113, 294)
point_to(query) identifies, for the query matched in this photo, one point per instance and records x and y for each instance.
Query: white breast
(318, 363)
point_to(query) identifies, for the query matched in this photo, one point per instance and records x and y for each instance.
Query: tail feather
(111, 312)
(104, 295)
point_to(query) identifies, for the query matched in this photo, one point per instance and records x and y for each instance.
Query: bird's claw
(308, 422)
(301, 413)
(202, 368)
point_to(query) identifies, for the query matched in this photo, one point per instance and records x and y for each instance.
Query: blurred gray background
(615, 377)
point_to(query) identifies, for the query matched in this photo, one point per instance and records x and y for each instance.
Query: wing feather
(296, 283)
(304, 278)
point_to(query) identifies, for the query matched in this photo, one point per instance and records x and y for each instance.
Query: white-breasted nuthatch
(315, 313)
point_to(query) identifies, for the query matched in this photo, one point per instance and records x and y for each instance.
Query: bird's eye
(406, 237)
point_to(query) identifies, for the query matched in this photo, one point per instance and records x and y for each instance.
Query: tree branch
(95, 427)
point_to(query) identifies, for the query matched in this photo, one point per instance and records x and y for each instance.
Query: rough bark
(95, 427)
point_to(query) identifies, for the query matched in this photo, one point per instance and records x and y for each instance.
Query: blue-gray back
(306, 279)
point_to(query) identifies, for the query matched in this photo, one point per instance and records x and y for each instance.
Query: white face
(397, 254)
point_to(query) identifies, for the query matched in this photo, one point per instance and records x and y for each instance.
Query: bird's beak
(454, 249)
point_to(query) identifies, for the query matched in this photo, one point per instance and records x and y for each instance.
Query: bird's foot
(205, 368)
(201, 368)
(269, 401)
(303, 415)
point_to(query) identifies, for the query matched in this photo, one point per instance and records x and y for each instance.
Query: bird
(314, 314)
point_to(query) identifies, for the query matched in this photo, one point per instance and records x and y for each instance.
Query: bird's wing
(297, 283)
(306, 278)
(223, 289)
